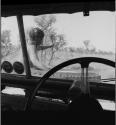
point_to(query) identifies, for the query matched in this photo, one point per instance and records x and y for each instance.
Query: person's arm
(44, 47)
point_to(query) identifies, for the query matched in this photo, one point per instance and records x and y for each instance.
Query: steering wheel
(84, 62)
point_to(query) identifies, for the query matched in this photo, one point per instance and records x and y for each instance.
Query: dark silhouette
(83, 106)
(35, 44)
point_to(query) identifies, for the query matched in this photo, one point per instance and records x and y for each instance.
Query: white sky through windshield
(99, 28)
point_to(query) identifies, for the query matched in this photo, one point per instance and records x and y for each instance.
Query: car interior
(56, 95)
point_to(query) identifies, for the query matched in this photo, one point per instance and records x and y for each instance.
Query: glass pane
(102, 73)
(11, 50)
(71, 72)
(68, 36)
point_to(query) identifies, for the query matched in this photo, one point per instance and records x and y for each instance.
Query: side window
(11, 51)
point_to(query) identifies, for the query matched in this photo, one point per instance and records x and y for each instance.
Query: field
(95, 68)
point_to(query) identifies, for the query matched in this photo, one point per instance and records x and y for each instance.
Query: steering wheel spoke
(85, 88)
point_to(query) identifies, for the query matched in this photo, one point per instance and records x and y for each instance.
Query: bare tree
(45, 22)
(87, 43)
(59, 42)
(5, 37)
(5, 43)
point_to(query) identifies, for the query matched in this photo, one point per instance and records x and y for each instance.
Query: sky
(98, 28)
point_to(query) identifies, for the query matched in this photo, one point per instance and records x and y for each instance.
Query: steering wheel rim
(83, 61)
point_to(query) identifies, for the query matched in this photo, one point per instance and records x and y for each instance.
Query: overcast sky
(99, 28)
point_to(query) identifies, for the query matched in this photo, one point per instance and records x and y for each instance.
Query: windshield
(65, 36)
